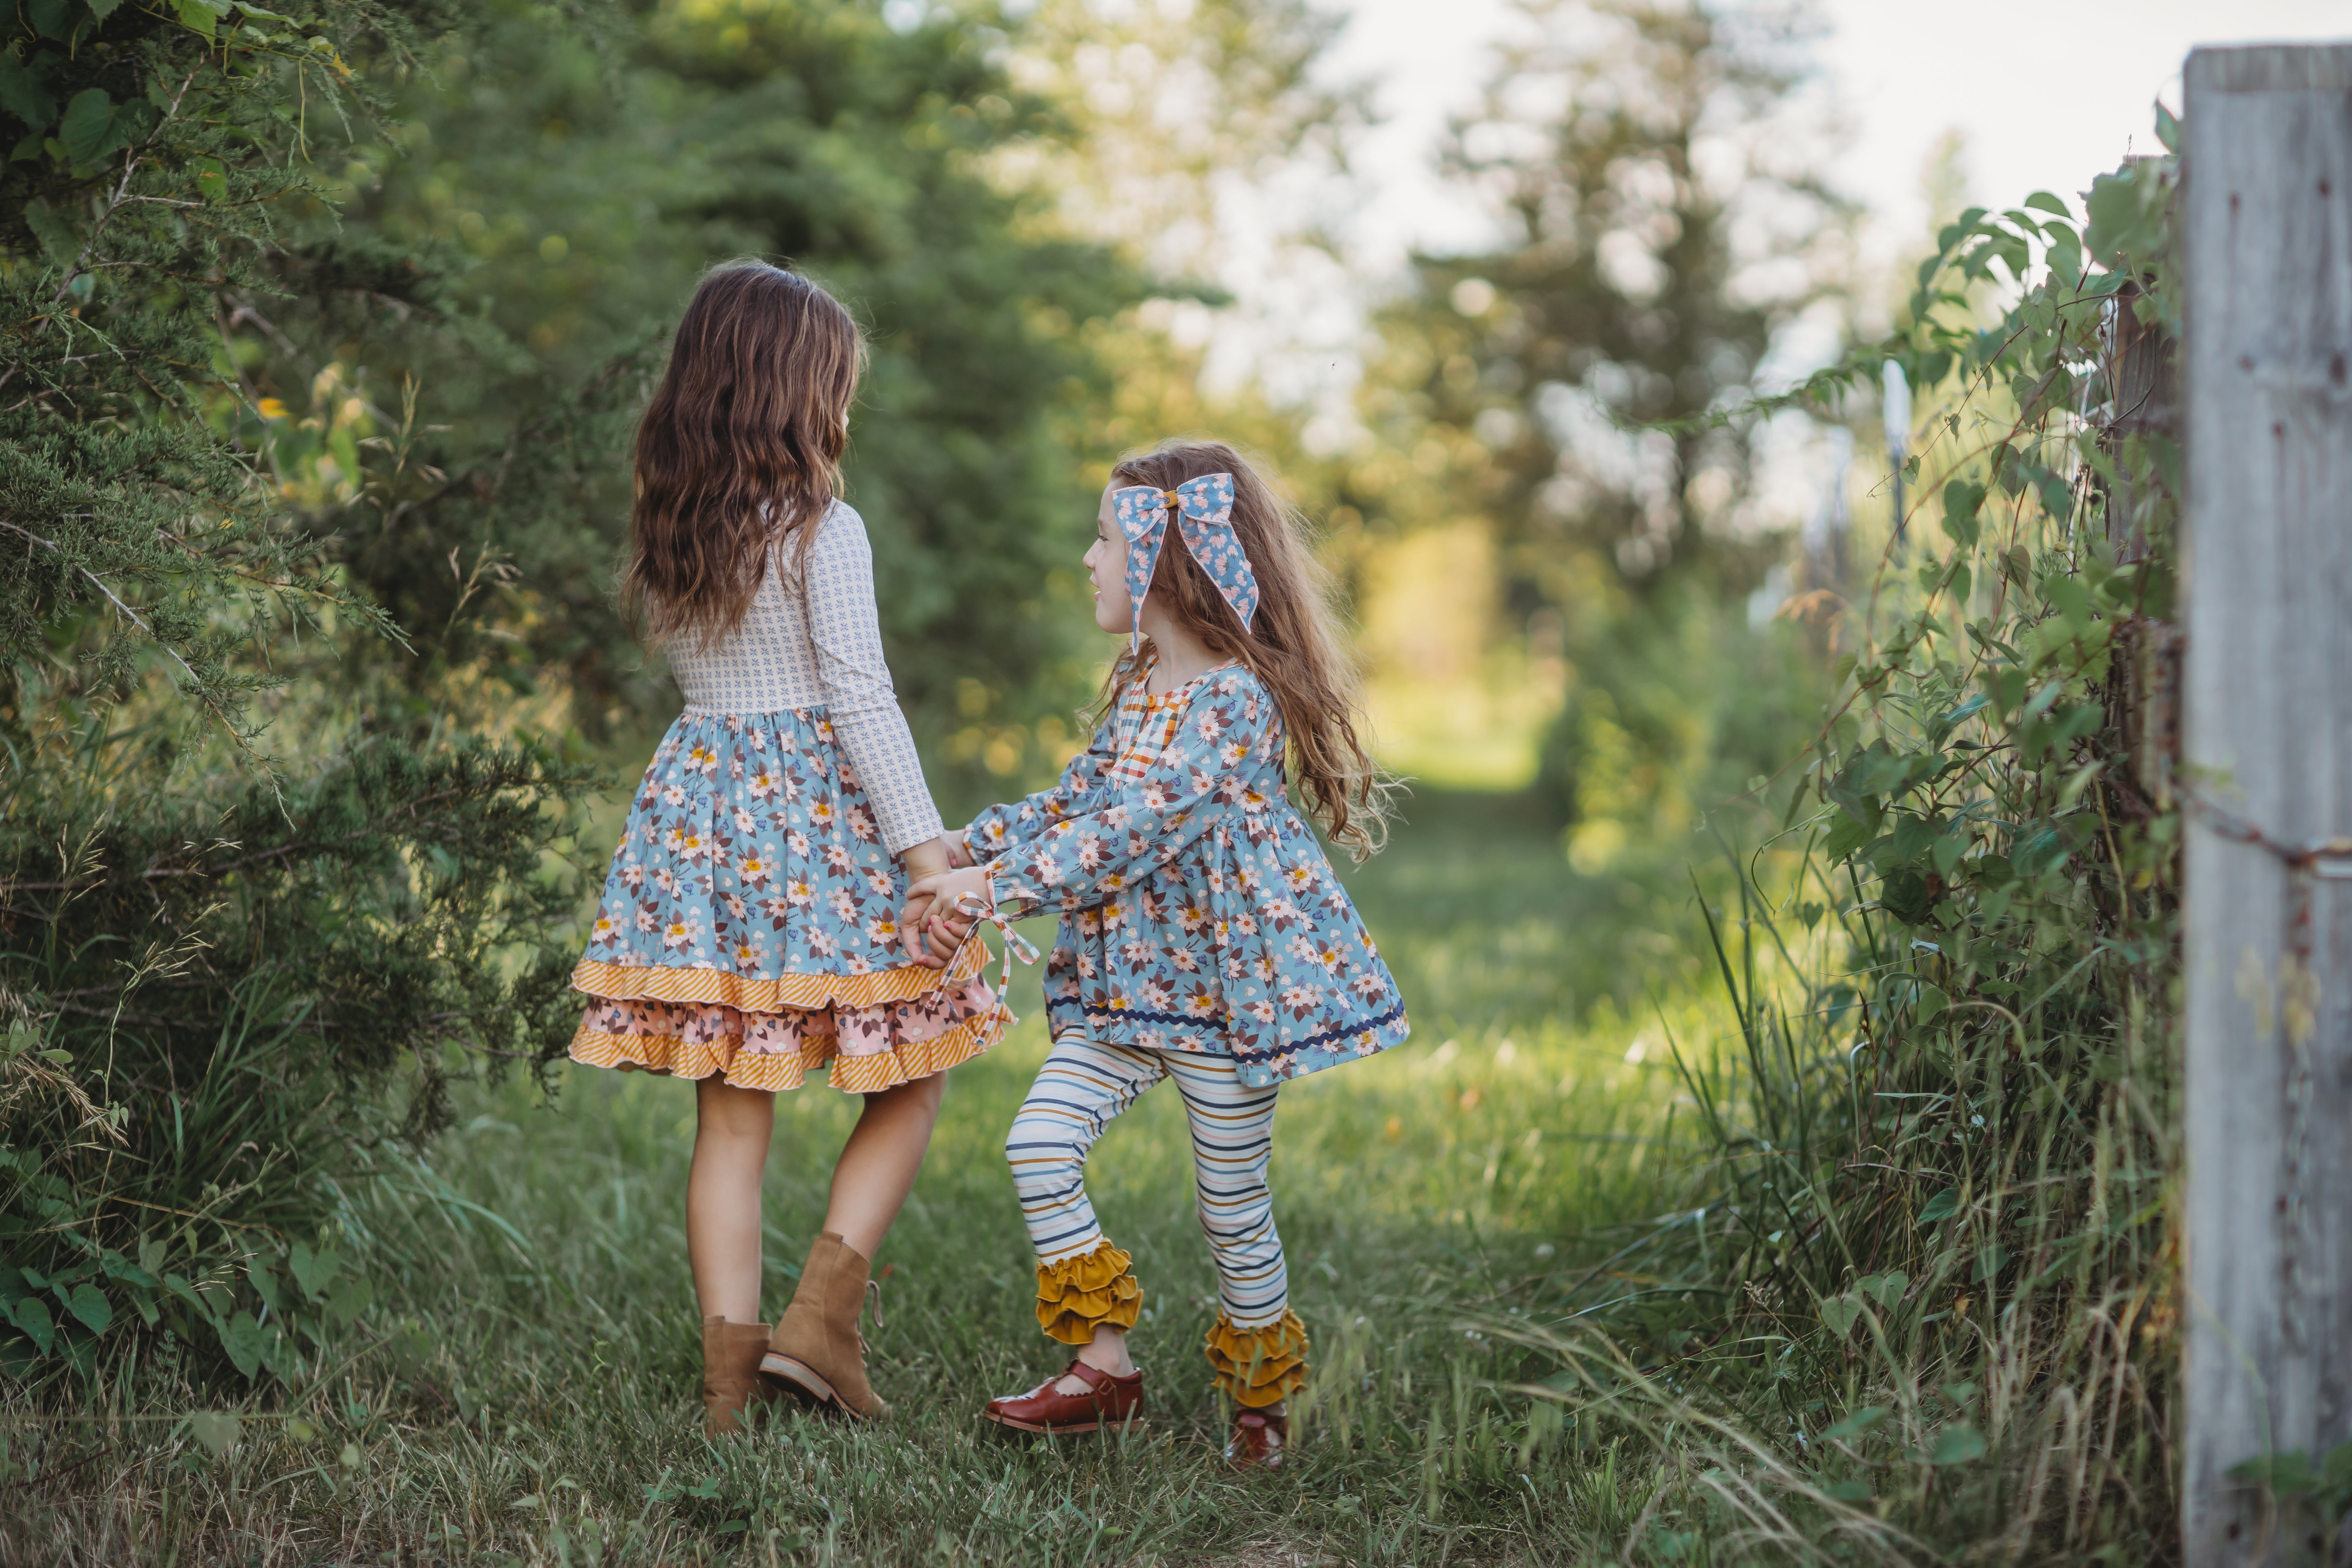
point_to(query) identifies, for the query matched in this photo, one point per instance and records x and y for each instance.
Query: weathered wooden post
(2267, 380)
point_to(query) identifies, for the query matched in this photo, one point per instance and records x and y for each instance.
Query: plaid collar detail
(1147, 724)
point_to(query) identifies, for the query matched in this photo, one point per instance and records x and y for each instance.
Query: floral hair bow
(1204, 511)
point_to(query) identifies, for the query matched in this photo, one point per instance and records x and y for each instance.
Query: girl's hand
(959, 852)
(932, 857)
(931, 928)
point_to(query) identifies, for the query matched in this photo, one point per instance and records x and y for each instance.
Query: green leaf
(202, 15)
(1962, 501)
(89, 130)
(117, 1266)
(241, 1337)
(1941, 1206)
(89, 1304)
(1931, 1001)
(178, 1286)
(215, 1429)
(2126, 214)
(1990, 1261)
(2285, 1474)
(2070, 598)
(1904, 895)
(265, 1282)
(1948, 850)
(2042, 201)
(1956, 1445)
(212, 178)
(2168, 128)
(1848, 1491)
(52, 18)
(31, 1314)
(1840, 1313)
(1912, 835)
(24, 94)
(314, 1271)
(1846, 835)
(1855, 1423)
(101, 9)
(1885, 1289)
(350, 1298)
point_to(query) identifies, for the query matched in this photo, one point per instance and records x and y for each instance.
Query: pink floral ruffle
(866, 1049)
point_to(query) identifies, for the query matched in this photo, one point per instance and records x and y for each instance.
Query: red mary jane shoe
(1257, 1440)
(1109, 1403)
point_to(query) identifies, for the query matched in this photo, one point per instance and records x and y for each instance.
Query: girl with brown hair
(746, 933)
(1203, 936)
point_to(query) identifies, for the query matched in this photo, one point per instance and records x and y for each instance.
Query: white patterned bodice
(817, 643)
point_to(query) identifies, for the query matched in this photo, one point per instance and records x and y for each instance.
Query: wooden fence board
(2267, 688)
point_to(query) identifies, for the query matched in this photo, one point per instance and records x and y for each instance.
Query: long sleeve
(1214, 764)
(1002, 827)
(846, 630)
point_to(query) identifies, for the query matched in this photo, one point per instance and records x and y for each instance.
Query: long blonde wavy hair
(1294, 644)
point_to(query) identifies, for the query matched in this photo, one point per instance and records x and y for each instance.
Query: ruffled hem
(1079, 1295)
(782, 994)
(776, 1051)
(1259, 1366)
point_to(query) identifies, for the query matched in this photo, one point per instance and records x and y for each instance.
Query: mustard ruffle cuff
(1078, 1294)
(1259, 1366)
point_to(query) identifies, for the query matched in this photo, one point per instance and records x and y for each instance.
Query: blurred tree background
(326, 332)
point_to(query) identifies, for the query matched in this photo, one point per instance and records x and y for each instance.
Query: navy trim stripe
(1116, 1013)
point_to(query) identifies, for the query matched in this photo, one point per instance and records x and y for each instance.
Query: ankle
(1109, 1358)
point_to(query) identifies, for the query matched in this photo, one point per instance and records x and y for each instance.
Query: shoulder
(1237, 684)
(836, 546)
(841, 527)
(1233, 698)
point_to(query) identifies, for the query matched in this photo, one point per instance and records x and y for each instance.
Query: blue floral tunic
(1199, 912)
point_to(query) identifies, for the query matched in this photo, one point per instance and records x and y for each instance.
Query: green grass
(527, 1390)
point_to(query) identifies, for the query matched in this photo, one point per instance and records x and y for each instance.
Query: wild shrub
(1923, 1288)
(218, 961)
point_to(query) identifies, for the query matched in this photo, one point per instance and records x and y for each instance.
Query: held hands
(929, 924)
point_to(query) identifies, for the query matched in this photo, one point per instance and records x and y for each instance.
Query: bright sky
(2047, 93)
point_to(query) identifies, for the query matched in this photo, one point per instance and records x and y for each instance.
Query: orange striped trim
(776, 1071)
(800, 993)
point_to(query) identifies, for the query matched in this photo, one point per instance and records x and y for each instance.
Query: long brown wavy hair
(1293, 646)
(739, 449)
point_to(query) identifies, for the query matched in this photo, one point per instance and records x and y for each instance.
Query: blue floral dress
(749, 923)
(1199, 912)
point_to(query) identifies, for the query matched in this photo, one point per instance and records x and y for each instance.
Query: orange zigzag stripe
(663, 982)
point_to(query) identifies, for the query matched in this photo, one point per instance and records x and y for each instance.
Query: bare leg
(722, 1196)
(1107, 1353)
(879, 1164)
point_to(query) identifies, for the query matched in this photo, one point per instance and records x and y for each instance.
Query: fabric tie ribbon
(971, 908)
(1204, 512)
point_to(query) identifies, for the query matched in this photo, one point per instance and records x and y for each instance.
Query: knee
(920, 1097)
(728, 1114)
(1039, 1146)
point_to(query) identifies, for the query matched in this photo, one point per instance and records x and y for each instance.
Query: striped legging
(1083, 1085)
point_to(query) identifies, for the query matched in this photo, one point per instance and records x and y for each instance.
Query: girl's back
(747, 933)
(811, 638)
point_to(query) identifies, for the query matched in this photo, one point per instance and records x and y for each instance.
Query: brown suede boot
(730, 1373)
(816, 1353)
